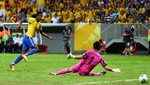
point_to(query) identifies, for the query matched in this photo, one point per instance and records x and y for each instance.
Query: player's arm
(104, 64)
(63, 34)
(70, 56)
(42, 33)
(22, 20)
(84, 56)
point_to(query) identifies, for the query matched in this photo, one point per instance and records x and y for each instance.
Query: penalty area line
(84, 83)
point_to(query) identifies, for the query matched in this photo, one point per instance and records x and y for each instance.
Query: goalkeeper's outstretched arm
(109, 69)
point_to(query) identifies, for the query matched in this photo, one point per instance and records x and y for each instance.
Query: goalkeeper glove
(70, 56)
(116, 70)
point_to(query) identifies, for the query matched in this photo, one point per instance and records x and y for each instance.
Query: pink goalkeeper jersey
(90, 59)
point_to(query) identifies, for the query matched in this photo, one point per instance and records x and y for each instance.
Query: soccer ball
(143, 78)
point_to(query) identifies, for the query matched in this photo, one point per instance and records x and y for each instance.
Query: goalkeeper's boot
(12, 67)
(103, 73)
(52, 73)
(24, 57)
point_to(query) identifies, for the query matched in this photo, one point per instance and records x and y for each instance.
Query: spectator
(7, 14)
(16, 43)
(64, 13)
(95, 20)
(142, 10)
(28, 14)
(41, 5)
(127, 34)
(23, 15)
(47, 18)
(34, 9)
(66, 20)
(9, 44)
(122, 16)
(55, 19)
(101, 12)
(71, 15)
(1, 19)
(20, 43)
(2, 4)
(103, 20)
(100, 2)
(146, 5)
(67, 35)
(115, 14)
(132, 9)
(108, 17)
(103, 45)
(132, 49)
(146, 20)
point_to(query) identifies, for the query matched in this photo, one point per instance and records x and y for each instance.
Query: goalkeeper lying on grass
(90, 59)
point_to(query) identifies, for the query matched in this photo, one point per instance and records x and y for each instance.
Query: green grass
(36, 70)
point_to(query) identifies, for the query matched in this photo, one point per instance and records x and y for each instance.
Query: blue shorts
(28, 42)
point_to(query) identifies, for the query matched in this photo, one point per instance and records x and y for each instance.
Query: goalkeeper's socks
(31, 52)
(17, 60)
(63, 71)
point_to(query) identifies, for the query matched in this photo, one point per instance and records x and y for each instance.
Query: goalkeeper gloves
(116, 70)
(69, 56)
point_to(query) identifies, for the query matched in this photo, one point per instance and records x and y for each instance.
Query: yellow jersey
(2, 4)
(33, 26)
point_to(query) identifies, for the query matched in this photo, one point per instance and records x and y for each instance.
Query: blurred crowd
(12, 43)
(74, 11)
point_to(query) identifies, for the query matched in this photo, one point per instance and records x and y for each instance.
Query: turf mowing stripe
(46, 59)
(103, 82)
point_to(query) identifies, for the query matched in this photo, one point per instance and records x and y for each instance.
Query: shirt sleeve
(30, 20)
(125, 31)
(85, 55)
(103, 63)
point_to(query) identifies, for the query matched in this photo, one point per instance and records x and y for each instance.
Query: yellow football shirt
(11, 2)
(41, 2)
(2, 4)
(33, 26)
(59, 14)
(71, 15)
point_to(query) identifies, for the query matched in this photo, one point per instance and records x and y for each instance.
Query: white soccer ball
(143, 78)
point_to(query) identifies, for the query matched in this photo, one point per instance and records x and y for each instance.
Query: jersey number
(91, 60)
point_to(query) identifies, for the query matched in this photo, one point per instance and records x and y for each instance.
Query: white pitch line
(103, 82)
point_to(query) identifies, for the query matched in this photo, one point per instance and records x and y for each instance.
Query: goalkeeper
(90, 59)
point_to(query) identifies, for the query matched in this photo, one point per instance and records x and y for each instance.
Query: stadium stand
(73, 11)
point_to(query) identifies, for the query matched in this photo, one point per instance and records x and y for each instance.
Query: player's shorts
(76, 69)
(28, 42)
(67, 44)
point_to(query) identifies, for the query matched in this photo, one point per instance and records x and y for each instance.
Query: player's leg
(96, 74)
(16, 61)
(129, 51)
(73, 69)
(70, 47)
(29, 44)
(65, 47)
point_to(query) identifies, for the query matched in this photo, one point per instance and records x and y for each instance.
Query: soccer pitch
(36, 70)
